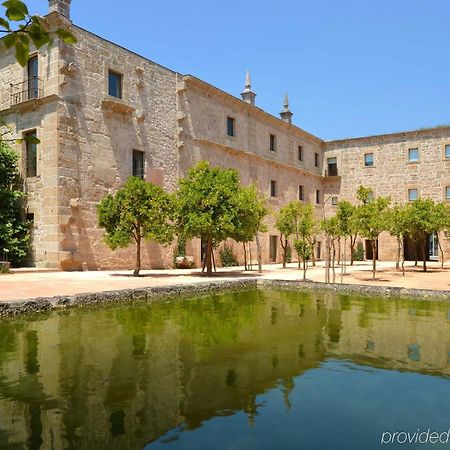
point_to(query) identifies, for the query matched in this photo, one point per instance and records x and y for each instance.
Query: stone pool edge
(41, 304)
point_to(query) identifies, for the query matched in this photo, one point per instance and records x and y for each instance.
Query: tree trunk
(352, 249)
(403, 257)
(416, 257)
(399, 248)
(250, 264)
(209, 258)
(284, 247)
(245, 256)
(213, 258)
(440, 250)
(333, 260)
(259, 254)
(423, 255)
(138, 255)
(305, 267)
(374, 258)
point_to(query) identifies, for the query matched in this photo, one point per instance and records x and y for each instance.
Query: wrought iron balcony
(30, 89)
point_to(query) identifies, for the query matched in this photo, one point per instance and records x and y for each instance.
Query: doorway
(369, 249)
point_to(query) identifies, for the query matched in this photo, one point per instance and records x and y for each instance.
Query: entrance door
(369, 250)
(433, 247)
(273, 248)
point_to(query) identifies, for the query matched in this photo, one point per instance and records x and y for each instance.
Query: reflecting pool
(245, 370)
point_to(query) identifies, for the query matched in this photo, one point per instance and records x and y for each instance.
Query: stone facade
(88, 136)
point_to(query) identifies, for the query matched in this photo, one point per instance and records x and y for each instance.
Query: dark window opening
(332, 167)
(301, 193)
(273, 248)
(138, 164)
(368, 159)
(114, 84)
(334, 201)
(230, 126)
(273, 188)
(31, 154)
(273, 143)
(33, 74)
(316, 159)
(318, 197)
(300, 153)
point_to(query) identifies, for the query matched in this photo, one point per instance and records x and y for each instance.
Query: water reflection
(121, 378)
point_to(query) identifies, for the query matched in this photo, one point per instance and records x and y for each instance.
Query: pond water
(246, 370)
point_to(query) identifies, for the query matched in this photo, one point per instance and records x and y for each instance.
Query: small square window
(413, 194)
(368, 159)
(114, 84)
(301, 193)
(230, 126)
(334, 201)
(300, 153)
(273, 143)
(316, 159)
(413, 154)
(447, 152)
(273, 188)
(138, 164)
(447, 193)
(30, 154)
(317, 196)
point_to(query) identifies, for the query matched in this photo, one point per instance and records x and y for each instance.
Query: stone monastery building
(103, 113)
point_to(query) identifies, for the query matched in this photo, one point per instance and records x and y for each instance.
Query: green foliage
(213, 206)
(372, 217)
(364, 194)
(288, 254)
(23, 30)
(227, 258)
(358, 254)
(14, 237)
(345, 214)
(303, 249)
(139, 210)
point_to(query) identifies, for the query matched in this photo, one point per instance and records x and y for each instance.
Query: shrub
(358, 254)
(227, 257)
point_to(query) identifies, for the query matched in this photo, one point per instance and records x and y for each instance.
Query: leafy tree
(346, 214)
(332, 230)
(371, 220)
(137, 211)
(398, 226)
(23, 30)
(440, 221)
(14, 238)
(295, 219)
(304, 252)
(250, 214)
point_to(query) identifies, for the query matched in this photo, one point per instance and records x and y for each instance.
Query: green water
(248, 370)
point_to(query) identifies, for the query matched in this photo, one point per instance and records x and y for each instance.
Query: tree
(137, 211)
(285, 226)
(213, 206)
(303, 249)
(440, 221)
(397, 225)
(22, 29)
(332, 232)
(14, 237)
(251, 211)
(345, 214)
(371, 220)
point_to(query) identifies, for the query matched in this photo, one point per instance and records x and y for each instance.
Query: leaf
(10, 40)
(4, 23)
(22, 53)
(32, 140)
(16, 5)
(66, 36)
(38, 35)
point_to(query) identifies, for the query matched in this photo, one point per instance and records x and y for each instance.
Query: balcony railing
(32, 88)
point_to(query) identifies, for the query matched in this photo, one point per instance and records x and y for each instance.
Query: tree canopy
(139, 210)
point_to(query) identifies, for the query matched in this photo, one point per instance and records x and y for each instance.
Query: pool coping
(40, 304)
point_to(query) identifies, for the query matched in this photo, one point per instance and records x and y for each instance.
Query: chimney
(248, 95)
(60, 6)
(286, 114)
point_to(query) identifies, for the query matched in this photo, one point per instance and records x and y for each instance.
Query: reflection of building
(103, 113)
(100, 379)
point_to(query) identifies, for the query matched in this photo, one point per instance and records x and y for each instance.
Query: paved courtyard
(24, 284)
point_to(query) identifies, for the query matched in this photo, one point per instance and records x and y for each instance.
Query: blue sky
(351, 68)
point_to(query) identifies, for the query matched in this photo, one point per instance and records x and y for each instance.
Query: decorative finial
(286, 114)
(248, 95)
(286, 102)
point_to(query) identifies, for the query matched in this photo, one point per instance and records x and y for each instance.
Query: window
(368, 159)
(273, 142)
(332, 167)
(301, 193)
(33, 73)
(447, 193)
(273, 188)
(114, 84)
(300, 153)
(138, 164)
(318, 196)
(31, 154)
(447, 152)
(230, 126)
(334, 201)
(413, 194)
(273, 248)
(413, 154)
(316, 159)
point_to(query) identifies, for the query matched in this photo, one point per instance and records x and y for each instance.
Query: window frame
(300, 154)
(447, 193)
(334, 200)
(133, 171)
(316, 160)
(273, 188)
(365, 159)
(408, 155)
(408, 192)
(28, 149)
(318, 202)
(231, 122)
(272, 142)
(446, 156)
(301, 192)
(335, 167)
(120, 78)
